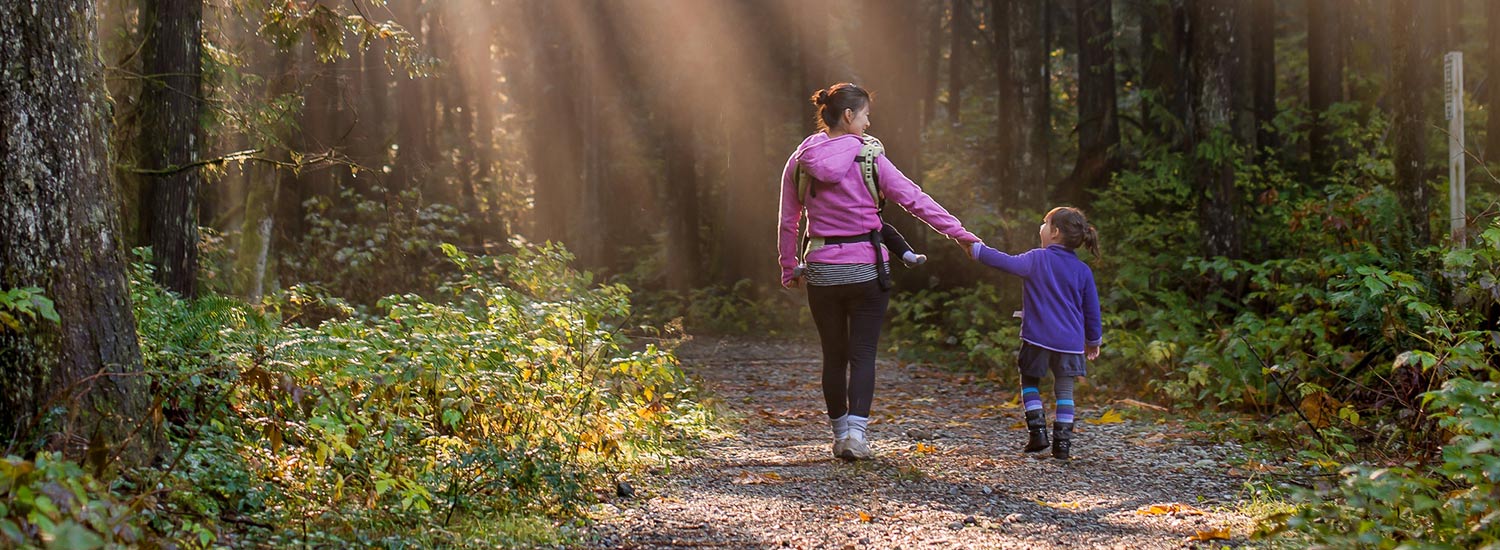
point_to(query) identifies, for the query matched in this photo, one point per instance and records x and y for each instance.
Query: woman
(844, 268)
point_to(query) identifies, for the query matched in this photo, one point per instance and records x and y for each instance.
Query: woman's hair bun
(820, 97)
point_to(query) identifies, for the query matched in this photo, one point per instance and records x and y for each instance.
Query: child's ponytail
(1075, 228)
(1091, 240)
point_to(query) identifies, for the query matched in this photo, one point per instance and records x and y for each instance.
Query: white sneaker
(855, 448)
(840, 446)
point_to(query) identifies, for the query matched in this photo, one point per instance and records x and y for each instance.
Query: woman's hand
(1091, 352)
(794, 282)
(968, 247)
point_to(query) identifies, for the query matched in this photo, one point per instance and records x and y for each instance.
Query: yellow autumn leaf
(752, 478)
(923, 448)
(1110, 416)
(1221, 533)
(1171, 508)
(865, 518)
(1071, 505)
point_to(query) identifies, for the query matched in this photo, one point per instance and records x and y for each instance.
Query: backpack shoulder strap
(868, 154)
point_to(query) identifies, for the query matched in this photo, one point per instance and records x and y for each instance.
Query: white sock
(913, 258)
(857, 426)
(840, 426)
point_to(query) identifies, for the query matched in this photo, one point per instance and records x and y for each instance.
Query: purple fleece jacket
(1059, 303)
(843, 206)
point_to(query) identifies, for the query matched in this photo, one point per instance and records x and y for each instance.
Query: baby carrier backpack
(807, 187)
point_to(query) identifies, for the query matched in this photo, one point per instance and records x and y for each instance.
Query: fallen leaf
(1175, 508)
(1320, 408)
(1211, 534)
(1141, 404)
(865, 518)
(923, 448)
(1072, 505)
(751, 478)
(1110, 416)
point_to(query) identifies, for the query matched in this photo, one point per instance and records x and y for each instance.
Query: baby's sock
(913, 258)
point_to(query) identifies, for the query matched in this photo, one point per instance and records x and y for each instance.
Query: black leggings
(848, 319)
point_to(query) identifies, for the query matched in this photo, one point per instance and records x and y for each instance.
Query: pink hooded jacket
(843, 206)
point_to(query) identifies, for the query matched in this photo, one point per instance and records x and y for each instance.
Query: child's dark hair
(832, 101)
(1074, 228)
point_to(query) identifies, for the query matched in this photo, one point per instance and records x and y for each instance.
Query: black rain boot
(1036, 427)
(1062, 444)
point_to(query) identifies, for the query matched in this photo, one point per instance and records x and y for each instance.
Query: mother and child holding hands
(839, 180)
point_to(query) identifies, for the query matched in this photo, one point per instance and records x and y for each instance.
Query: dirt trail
(948, 474)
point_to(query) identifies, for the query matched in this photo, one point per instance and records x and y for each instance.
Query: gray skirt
(1037, 361)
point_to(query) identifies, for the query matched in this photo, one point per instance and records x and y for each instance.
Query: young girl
(1059, 319)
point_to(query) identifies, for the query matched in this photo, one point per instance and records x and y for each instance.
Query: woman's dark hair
(833, 100)
(1074, 228)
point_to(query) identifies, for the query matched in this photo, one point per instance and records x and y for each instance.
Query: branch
(248, 154)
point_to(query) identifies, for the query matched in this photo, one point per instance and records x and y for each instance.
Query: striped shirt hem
(821, 274)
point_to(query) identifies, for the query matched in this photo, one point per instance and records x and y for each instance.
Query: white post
(1453, 103)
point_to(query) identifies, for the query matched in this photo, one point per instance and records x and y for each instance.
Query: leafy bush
(508, 401)
(363, 249)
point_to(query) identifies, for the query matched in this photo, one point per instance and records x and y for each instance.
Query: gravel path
(949, 473)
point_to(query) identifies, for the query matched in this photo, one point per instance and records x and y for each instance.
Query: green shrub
(509, 399)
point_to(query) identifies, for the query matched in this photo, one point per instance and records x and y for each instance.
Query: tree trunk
(262, 196)
(1492, 92)
(1163, 63)
(1024, 102)
(932, 68)
(59, 231)
(1098, 120)
(1215, 91)
(170, 136)
(556, 156)
(1325, 67)
(1414, 63)
(959, 31)
(1263, 72)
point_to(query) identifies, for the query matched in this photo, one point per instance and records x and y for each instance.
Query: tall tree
(1163, 65)
(557, 141)
(1325, 78)
(1414, 65)
(1492, 91)
(959, 30)
(170, 136)
(59, 231)
(1262, 31)
(1021, 63)
(1215, 123)
(1098, 117)
(264, 186)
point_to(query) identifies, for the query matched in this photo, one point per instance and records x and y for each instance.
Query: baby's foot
(912, 258)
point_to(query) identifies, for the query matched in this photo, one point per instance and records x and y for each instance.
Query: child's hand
(1092, 352)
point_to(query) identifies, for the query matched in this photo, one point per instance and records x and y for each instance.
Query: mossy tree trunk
(75, 383)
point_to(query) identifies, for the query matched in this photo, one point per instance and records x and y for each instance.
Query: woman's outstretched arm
(901, 190)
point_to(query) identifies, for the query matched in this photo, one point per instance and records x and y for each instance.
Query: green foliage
(362, 249)
(488, 415)
(52, 503)
(965, 326)
(741, 308)
(21, 306)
